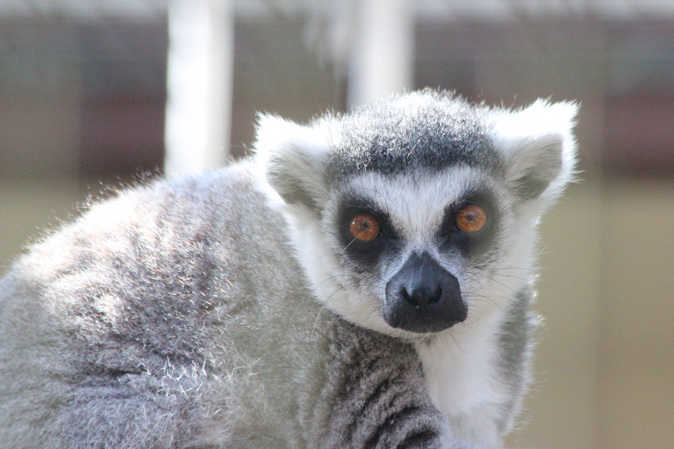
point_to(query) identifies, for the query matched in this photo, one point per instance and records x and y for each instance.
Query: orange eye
(364, 227)
(471, 219)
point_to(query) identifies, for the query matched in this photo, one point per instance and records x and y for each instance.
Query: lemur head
(417, 213)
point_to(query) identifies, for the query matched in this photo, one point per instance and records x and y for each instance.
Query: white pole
(382, 59)
(199, 84)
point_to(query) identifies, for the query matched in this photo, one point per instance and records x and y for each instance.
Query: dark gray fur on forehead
(426, 130)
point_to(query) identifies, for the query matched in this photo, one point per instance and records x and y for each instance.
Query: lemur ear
(538, 148)
(294, 158)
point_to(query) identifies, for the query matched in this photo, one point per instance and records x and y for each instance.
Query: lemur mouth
(423, 297)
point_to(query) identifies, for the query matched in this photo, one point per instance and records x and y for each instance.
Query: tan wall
(636, 358)
(605, 365)
(29, 208)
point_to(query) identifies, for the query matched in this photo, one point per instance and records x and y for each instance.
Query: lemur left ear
(294, 158)
(538, 148)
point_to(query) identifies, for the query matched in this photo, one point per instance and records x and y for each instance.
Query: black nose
(423, 297)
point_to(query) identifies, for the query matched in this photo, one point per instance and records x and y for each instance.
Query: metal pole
(382, 59)
(199, 84)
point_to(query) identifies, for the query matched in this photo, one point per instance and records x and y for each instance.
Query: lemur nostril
(407, 297)
(436, 296)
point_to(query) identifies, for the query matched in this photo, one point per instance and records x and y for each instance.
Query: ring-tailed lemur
(363, 281)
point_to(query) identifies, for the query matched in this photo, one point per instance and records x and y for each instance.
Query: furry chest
(462, 379)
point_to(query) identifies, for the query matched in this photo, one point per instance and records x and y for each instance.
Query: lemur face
(417, 214)
(420, 245)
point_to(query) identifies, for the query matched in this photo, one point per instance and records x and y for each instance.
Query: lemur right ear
(294, 159)
(538, 148)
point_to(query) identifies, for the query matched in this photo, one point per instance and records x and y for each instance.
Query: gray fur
(516, 345)
(437, 128)
(130, 337)
(183, 314)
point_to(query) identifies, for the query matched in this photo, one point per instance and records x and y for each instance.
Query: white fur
(460, 363)
(520, 135)
(459, 368)
(301, 148)
(277, 136)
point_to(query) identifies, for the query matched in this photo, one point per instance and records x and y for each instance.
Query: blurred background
(96, 93)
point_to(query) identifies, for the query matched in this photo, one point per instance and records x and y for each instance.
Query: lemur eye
(471, 219)
(364, 227)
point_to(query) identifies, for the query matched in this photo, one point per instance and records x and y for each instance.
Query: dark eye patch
(451, 238)
(364, 253)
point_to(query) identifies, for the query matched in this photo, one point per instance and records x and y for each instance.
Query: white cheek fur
(416, 207)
